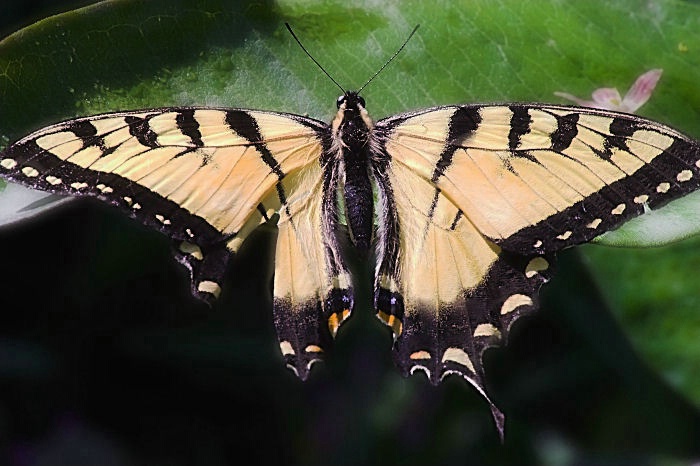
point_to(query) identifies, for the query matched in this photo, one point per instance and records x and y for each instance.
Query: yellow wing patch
(446, 257)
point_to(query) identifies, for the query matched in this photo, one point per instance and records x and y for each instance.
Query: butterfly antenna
(289, 28)
(390, 59)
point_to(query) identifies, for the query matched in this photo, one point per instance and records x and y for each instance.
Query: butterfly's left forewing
(206, 178)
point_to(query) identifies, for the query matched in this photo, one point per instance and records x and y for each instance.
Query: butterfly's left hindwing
(206, 178)
(313, 292)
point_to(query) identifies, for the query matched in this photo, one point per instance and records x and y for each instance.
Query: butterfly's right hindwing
(481, 197)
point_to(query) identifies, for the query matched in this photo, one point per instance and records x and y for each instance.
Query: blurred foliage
(99, 338)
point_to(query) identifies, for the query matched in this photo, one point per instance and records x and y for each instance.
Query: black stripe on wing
(189, 126)
(246, 126)
(140, 129)
(463, 123)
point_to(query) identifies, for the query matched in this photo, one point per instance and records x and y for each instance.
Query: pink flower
(608, 98)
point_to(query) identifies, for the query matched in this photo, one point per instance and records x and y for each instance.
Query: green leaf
(654, 294)
(127, 54)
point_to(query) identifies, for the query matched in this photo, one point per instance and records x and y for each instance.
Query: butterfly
(461, 208)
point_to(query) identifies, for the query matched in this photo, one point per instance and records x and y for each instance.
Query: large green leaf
(132, 54)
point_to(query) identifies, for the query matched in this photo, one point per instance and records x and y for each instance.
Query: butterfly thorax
(352, 130)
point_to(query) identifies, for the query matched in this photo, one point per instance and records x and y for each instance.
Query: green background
(104, 355)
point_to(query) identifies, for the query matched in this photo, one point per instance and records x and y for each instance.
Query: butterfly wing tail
(311, 302)
(450, 335)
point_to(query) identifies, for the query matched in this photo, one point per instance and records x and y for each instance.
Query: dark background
(105, 359)
(16, 14)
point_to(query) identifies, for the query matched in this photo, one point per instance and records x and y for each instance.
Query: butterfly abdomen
(359, 200)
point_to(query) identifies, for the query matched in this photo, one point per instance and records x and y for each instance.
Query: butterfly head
(352, 122)
(350, 100)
